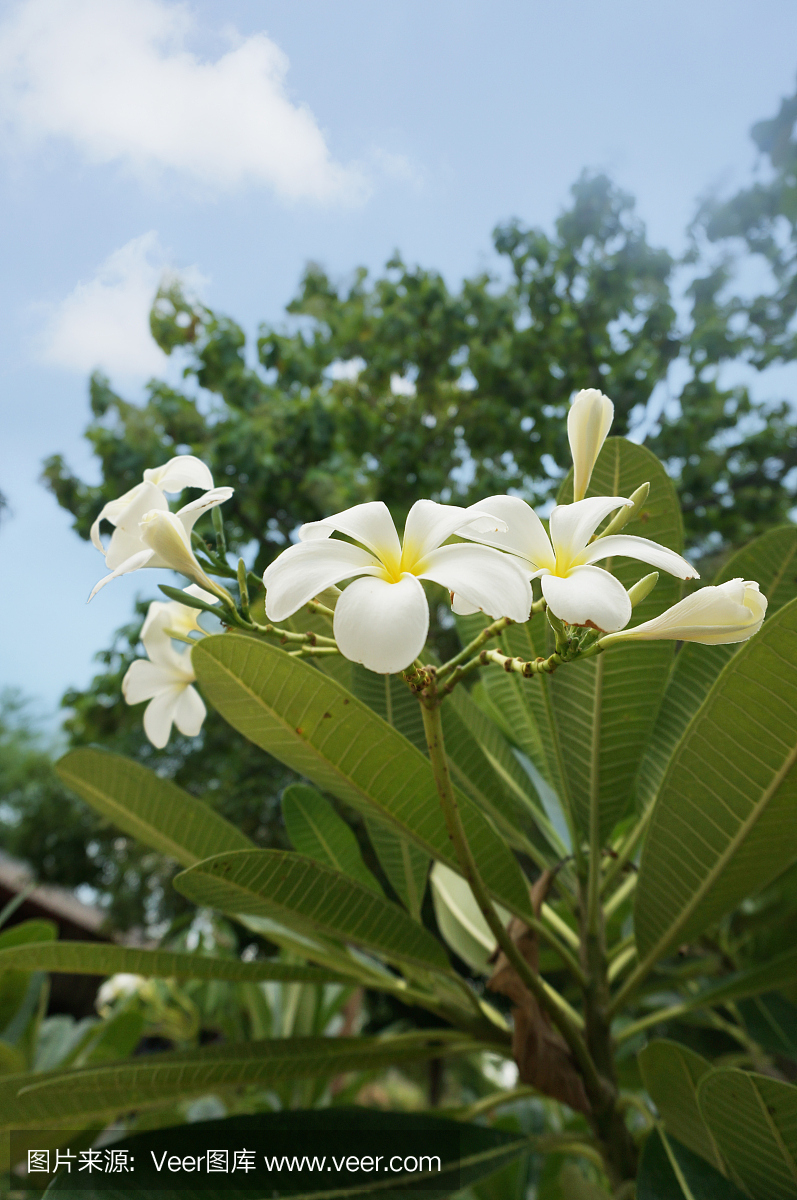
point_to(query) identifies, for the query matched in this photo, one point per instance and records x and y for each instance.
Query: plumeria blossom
(575, 590)
(382, 618)
(181, 472)
(166, 675)
(727, 612)
(588, 423)
(177, 618)
(147, 534)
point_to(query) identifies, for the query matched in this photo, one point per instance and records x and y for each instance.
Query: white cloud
(104, 322)
(114, 78)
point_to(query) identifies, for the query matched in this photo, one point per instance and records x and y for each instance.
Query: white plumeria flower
(382, 619)
(727, 612)
(576, 591)
(181, 472)
(179, 618)
(147, 534)
(588, 423)
(164, 678)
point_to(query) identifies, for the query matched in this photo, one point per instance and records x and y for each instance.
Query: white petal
(133, 563)
(429, 524)
(190, 712)
(189, 514)
(126, 538)
(185, 470)
(588, 423)
(110, 512)
(382, 625)
(160, 648)
(525, 533)
(304, 570)
(159, 715)
(199, 593)
(481, 576)
(370, 524)
(588, 596)
(627, 546)
(572, 525)
(144, 679)
(461, 607)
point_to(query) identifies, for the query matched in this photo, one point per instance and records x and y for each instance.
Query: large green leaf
(321, 731)
(669, 1171)
(303, 894)
(484, 767)
(605, 707)
(671, 1073)
(389, 696)
(771, 560)
(467, 1153)
(754, 1121)
(723, 825)
(406, 867)
(155, 1080)
(100, 958)
(316, 830)
(154, 810)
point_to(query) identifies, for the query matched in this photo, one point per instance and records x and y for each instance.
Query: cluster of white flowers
(381, 618)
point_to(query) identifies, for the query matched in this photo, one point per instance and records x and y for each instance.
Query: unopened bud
(625, 514)
(642, 589)
(218, 528)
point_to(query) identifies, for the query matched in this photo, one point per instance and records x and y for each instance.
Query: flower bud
(729, 612)
(621, 518)
(588, 423)
(164, 533)
(642, 588)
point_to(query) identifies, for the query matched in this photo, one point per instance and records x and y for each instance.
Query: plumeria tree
(593, 787)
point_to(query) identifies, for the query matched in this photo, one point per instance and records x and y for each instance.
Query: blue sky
(234, 140)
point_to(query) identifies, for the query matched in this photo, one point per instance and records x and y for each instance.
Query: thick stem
(434, 738)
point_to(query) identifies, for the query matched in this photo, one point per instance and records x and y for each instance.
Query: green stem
(627, 849)
(434, 738)
(620, 896)
(494, 630)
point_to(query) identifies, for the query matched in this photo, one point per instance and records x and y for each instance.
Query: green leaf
(695, 1179)
(321, 731)
(389, 696)
(771, 1021)
(155, 1080)
(28, 931)
(303, 894)
(605, 707)
(406, 867)
(484, 767)
(334, 665)
(771, 561)
(671, 1073)
(153, 810)
(723, 827)
(99, 958)
(316, 830)
(754, 1121)
(467, 1152)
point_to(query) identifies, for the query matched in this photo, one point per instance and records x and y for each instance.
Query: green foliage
(316, 830)
(721, 827)
(315, 727)
(314, 899)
